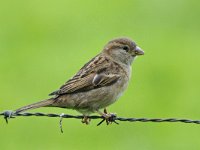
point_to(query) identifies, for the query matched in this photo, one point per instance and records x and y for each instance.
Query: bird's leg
(106, 112)
(86, 120)
(108, 117)
(103, 114)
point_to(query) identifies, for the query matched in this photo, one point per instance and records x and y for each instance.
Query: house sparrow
(98, 84)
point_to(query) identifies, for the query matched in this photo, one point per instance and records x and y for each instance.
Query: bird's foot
(108, 117)
(86, 120)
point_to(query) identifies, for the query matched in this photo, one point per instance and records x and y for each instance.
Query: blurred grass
(43, 43)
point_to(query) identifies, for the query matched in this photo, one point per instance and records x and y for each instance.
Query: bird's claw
(109, 118)
(86, 120)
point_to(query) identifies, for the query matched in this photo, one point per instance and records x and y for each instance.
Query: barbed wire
(112, 119)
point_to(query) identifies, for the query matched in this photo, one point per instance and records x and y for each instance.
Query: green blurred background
(44, 42)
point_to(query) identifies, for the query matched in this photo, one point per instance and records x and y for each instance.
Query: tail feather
(43, 103)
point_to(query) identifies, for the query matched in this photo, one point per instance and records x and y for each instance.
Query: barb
(113, 118)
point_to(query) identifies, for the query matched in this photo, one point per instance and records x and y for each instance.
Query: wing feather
(93, 75)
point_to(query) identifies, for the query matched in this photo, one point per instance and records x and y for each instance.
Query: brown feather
(83, 80)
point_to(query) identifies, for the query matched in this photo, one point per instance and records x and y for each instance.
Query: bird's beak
(139, 51)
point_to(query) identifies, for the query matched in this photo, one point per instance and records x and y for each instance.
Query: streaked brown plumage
(99, 82)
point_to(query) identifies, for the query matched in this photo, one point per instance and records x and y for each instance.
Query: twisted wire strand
(113, 118)
(8, 114)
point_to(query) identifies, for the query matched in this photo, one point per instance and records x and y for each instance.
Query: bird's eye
(126, 48)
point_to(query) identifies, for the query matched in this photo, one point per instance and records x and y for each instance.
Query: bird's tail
(43, 103)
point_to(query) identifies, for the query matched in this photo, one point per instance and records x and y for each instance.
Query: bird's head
(123, 50)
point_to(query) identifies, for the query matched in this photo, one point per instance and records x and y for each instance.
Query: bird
(98, 84)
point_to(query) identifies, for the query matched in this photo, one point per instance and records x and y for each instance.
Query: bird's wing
(92, 75)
